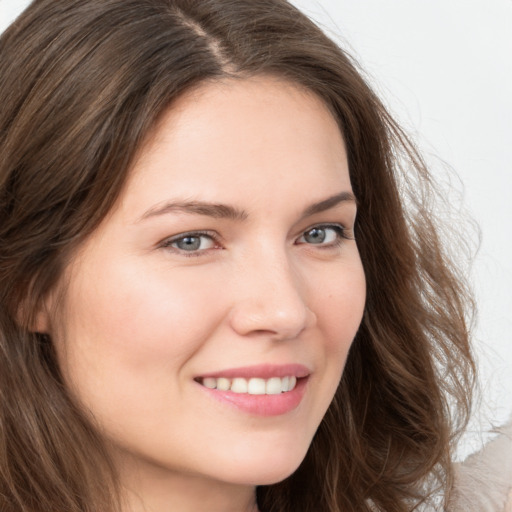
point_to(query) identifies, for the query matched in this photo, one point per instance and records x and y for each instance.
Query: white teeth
(210, 383)
(275, 386)
(239, 386)
(223, 384)
(254, 386)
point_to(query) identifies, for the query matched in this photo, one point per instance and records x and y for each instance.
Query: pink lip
(261, 405)
(263, 371)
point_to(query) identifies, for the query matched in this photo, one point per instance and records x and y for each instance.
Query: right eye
(191, 243)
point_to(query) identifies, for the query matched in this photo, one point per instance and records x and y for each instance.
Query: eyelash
(340, 231)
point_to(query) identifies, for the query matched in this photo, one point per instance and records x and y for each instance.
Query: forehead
(225, 137)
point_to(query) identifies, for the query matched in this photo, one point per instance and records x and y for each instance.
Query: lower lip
(262, 405)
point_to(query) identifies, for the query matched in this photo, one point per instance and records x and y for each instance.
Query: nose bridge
(269, 297)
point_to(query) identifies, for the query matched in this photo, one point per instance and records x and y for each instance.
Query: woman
(192, 315)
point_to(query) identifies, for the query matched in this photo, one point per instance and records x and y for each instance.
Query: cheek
(123, 321)
(340, 307)
(146, 308)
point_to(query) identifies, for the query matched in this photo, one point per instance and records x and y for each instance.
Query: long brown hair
(82, 83)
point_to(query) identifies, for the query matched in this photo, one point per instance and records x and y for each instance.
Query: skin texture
(141, 319)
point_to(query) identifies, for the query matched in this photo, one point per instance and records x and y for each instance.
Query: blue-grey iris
(315, 236)
(189, 243)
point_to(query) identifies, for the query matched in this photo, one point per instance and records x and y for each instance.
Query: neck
(154, 489)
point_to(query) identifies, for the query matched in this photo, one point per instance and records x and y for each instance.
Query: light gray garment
(483, 482)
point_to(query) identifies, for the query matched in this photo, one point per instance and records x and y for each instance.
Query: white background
(444, 68)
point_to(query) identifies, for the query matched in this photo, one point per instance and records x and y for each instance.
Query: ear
(35, 319)
(41, 321)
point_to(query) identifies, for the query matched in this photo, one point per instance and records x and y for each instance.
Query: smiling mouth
(252, 386)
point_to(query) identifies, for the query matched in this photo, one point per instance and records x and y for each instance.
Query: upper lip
(263, 371)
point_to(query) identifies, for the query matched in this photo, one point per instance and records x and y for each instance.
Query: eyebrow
(330, 202)
(215, 210)
(224, 211)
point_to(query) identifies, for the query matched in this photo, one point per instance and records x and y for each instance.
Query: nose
(270, 300)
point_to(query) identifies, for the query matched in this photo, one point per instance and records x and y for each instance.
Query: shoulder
(483, 482)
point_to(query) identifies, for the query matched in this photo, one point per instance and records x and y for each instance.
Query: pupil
(315, 236)
(189, 243)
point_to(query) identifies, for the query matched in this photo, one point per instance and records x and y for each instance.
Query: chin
(276, 475)
(267, 467)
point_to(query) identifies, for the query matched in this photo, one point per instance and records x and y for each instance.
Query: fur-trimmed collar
(483, 482)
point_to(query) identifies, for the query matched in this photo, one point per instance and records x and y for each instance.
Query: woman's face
(226, 272)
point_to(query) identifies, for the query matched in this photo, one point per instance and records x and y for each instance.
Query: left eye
(192, 242)
(321, 235)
